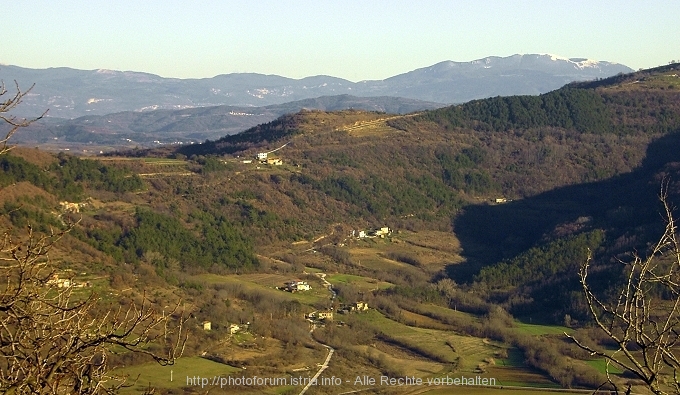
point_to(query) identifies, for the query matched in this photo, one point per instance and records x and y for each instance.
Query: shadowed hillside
(625, 207)
(582, 159)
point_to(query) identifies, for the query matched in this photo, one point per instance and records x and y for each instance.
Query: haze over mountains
(123, 108)
(190, 125)
(70, 93)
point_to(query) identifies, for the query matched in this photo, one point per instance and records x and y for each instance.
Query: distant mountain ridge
(71, 93)
(151, 128)
(458, 82)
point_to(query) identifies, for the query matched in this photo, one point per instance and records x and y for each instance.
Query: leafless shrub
(9, 102)
(644, 327)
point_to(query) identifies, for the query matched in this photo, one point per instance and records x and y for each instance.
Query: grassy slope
(183, 372)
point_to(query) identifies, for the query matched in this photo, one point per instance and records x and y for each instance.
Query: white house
(295, 285)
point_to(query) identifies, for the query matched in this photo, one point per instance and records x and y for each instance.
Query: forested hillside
(128, 238)
(527, 185)
(489, 209)
(586, 159)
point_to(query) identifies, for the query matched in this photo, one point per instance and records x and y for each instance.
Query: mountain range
(70, 93)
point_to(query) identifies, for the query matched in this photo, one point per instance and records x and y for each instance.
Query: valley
(451, 239)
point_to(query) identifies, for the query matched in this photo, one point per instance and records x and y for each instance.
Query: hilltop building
(297, 285)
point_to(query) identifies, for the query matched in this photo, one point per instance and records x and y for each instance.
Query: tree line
(214, 243)
(69, 176)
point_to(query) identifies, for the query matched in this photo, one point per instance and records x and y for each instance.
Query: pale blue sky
(352, 39)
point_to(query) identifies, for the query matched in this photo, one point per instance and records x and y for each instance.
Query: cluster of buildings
(233, 328)
(296, 286)
(353, 307)
(382, 232)
(70, 207)
(265, 159)
(58, 282)
(323, 315)
(327, 315)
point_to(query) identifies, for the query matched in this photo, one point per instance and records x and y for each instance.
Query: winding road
(321, 368)
(331, 350)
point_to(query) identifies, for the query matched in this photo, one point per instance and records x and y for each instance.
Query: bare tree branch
(644, 326)
(9, 102)
(54, 341)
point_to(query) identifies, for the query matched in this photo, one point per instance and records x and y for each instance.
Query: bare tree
(644, 319)
(54, 340)
(8, 102)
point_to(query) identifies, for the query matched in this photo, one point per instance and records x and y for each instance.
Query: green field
(165, 161)
(601, 366)
(441, 311)
(539, 330)
(266, 284)
(447, 346)
(515, 358)
(363, 283)
(466, 353)
(158, 376)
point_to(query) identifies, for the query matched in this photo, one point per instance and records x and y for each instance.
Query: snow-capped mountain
(456, 82)
(70, 93)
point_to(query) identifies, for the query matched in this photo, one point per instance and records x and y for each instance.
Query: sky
(352, 39)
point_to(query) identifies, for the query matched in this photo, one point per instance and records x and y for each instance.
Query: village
(66, 282)
(322, 316)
